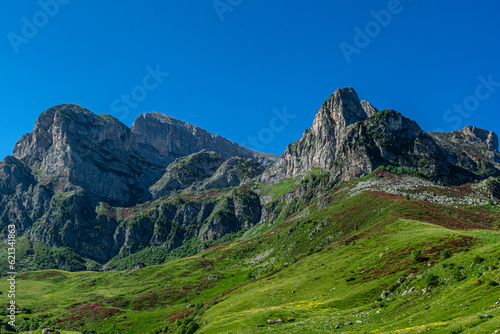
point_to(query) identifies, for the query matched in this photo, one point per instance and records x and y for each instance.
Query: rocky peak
(98, 153)
(477, 137)
(319, 145)
(470, 136)
(352, 138)
(471, 148)
(368, 108)
(164, 138)
(342, 109)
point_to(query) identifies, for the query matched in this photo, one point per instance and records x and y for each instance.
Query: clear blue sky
(230, 67)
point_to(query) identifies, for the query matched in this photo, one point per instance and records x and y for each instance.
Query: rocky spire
(318, 145)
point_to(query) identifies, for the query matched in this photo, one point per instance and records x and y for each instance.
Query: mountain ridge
(166, 183)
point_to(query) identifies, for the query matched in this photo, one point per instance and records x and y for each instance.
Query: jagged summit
(97, 153)
(351, 138)
(108, 161)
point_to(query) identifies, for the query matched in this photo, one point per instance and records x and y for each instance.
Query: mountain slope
(367, 223)
(78, 178)
(323, 272)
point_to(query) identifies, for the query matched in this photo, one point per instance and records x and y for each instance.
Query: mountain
(355, 227)
(164, 139)
(351, 139)
(104, 191)
(471, 148)
(74, 163)
(96, 154)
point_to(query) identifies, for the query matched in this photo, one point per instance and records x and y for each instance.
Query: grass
(319, 270)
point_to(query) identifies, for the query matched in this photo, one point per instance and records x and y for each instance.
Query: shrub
(478, 259)
(457, 330)
(417, 256)
(431, 280)
(457, 275)
(446, 254)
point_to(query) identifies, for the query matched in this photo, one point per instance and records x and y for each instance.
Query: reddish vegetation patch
(127, 213)
(167, 295)
(402, 261)
(442, 215)
(458, 244)
(79, 314)
(43, 275)
(179, 315)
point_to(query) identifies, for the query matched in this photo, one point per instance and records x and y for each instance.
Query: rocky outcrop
(471, 148)
(368, 108)
(205, 170)
(318, 145)
(232, 173)
(169, 224)
(164, 139)
(186, 171)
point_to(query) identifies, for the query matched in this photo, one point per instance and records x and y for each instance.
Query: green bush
(457, 330)
(446, 254)
(417, 256)
(478, 259)
(457, 275)
(431, 280)
(187, 326)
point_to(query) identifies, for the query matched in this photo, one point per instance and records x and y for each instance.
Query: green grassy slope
(321, 270)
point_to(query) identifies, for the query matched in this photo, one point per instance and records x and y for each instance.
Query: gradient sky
(233, 65)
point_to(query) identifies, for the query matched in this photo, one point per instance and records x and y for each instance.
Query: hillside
(323, 269)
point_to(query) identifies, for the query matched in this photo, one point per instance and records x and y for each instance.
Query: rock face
(351, 139)
(205, 170)
(320, 144)
(184, 172)
(232, 173)
(99, 154)
(471, 148)
(368, 108)
(165, 139)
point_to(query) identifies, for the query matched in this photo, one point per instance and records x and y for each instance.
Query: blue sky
(255, 71)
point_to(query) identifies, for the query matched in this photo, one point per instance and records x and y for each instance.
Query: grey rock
(384, 294)
(350, 140)
(368, 108)
(232, 173)
(471, 148)
(74, 146)
(185, 171)
(164, 138)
